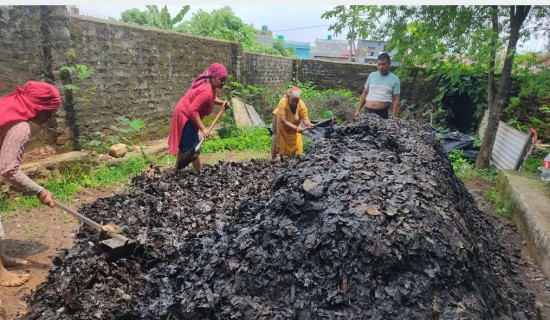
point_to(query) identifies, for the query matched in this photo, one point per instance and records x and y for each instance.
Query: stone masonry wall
(262, 70)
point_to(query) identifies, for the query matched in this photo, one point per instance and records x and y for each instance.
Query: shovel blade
(186, 159)
(116, 249)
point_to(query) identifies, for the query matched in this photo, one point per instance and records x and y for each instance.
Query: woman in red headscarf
(197, 103)
(36, 102)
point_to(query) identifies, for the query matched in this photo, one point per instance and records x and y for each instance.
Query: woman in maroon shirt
(36, 102)
(197, 103)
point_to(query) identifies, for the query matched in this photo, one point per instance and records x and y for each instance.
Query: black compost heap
(371, 224)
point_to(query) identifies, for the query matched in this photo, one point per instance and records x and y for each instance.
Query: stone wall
(262, 70)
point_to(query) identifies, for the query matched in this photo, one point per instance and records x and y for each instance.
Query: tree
(134, 16)
(154, 18)
(436, 36)
(354, 18)
(223, 24)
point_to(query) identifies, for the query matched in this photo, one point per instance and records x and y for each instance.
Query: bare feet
(12, 279)
(13, 262)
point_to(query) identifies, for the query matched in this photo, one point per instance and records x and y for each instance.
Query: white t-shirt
(382, 88)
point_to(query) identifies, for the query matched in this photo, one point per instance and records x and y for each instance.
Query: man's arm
(362, 101)
(395, 105)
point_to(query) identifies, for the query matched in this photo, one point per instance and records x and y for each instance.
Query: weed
(248, 139)
(29, 229)
(465, 168)
(502, 208)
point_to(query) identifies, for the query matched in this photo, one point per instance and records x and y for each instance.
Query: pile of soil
(371, 224)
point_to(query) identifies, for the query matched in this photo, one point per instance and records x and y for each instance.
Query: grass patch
(242, 139)
(465, 169)
(502, 208)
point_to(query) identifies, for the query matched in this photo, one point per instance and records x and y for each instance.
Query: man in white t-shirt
(382, 89)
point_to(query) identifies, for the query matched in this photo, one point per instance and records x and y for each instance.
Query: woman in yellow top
(290, 111)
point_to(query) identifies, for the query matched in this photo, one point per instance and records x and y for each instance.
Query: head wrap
(294, 92)
(215, 70)
(26, 102)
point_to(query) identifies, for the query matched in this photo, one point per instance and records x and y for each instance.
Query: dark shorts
(189, 137)
(382, 113)
(274, 129)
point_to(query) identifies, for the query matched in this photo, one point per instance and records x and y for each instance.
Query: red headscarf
(215, 70)
(294, 92)
(26, 102)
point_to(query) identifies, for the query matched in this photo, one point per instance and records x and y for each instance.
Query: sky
(295, 22)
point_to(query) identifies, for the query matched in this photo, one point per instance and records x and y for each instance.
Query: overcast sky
(295, 23)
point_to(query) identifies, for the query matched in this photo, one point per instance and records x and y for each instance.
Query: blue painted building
(301, 49)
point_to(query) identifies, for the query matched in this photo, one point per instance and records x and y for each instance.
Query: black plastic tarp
(454, 140)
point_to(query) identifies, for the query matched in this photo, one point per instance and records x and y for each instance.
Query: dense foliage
(220, 24)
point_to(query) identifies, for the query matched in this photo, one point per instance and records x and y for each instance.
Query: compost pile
(371, 224)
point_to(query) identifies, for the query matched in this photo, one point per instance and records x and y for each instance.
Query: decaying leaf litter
(371, 224)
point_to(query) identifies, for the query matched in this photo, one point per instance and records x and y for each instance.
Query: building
(265, 37)
(301, 49)
(329, 49)
(368, 51)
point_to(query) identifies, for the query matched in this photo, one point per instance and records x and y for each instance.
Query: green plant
(325, 104)
(82, 176)
(250, 139)
(306, 142)
(465, 169)
(79, 92)
(515, 123)
(120, 131)
(531, 164)
(502, 208)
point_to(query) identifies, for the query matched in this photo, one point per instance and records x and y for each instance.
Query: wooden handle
(77, 215)
(222, 108)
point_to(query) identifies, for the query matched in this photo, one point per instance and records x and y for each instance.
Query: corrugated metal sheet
(507, 148)
(508, 143)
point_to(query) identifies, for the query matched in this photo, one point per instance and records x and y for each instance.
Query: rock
(118, 150)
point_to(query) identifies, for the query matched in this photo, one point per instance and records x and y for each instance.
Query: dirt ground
(527, 271)
(38, 235)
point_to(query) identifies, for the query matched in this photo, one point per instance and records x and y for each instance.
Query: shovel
(189, 155)
(118, 244)
(320, 123)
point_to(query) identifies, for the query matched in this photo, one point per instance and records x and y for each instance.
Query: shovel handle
(222, 108)
(77, 215)
(118, 237)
